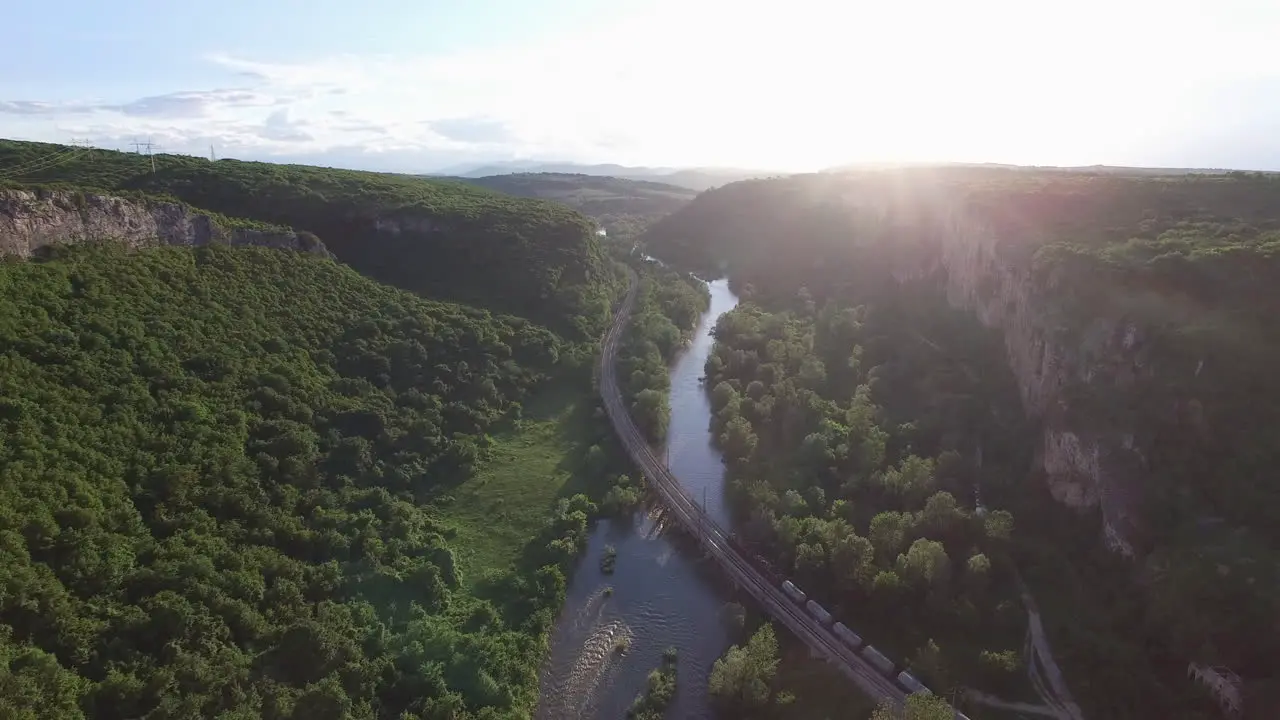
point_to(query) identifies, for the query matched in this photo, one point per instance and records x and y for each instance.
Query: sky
(425, 85)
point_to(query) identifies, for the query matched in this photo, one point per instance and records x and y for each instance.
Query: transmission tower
(148, 146)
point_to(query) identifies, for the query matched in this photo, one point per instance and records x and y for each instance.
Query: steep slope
(32, 220)
(621, 206)
(536, 259)
(225, 476)
(1136, 319)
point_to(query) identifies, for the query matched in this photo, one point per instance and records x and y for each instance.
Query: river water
(664, 594)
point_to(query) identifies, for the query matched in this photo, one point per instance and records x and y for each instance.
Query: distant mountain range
(620, 205)
(695, 178)
(1095, 169)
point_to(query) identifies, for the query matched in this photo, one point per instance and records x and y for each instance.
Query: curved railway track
(715, 541)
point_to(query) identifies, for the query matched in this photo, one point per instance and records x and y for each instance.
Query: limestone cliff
(30, 220)
(1085, 465)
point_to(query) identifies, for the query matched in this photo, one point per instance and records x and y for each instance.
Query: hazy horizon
(425, 86)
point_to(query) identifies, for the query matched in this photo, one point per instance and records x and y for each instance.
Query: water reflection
(664, 594)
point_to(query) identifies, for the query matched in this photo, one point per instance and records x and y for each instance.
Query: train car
(847, 636)
(818, 612)
(793, 592)
(876, 658)
(911, 684)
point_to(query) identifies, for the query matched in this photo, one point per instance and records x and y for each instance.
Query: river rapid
(663, 593)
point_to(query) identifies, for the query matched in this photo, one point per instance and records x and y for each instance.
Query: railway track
(715, 541)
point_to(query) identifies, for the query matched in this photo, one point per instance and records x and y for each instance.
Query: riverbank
(661, 593)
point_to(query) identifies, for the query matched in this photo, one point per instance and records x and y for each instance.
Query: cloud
(190, 104)
(182, 104)
(279, 127)
(472, 129)
(36, 107)
(819, 85)
(358, 127)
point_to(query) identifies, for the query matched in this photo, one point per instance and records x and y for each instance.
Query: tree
(852, 560)
(813, 374)
(977, 575)
(912, 478)
(999, 525)
(886, 586)
(652, 413)
(324, 700)
(742, 678)
(811, 560)
(941, 512)
(794, 504)
(888, 532)
(925, 561)
(735, 615)
(949, 465)
(998, 670)
(917, 707)
(33, 684)
(595, 459)
(738, 440)
(930, 666)
(722, 395)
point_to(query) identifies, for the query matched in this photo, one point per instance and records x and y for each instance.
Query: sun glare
(817, 83)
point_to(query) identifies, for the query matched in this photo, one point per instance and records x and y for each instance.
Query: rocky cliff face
(1088, 460)
(1085, 465)
(30, 220)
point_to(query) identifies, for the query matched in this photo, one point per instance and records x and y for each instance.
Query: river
(663, 593)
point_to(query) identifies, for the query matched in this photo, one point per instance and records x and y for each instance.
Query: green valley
(929, 364)
(623, 207)
(251, 482)
(647, 360)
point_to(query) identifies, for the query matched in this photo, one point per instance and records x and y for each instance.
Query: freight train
(854, 642)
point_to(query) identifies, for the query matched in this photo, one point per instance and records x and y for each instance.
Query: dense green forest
(845, 447)
(449, 240)
(668, 305)
(229, 479)
(836, 382)
(623, 207)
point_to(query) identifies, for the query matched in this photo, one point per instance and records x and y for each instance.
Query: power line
(36, 163)
(45, 163)
(138, 147)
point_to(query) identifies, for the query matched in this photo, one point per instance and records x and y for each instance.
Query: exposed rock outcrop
(1085, 465)
(30, 220)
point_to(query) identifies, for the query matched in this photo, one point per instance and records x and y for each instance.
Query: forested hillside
(696, 178)
(227, 473)
(859, 396)
(848, 442)
(444, 239)
(668, 305)
(622, 207)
